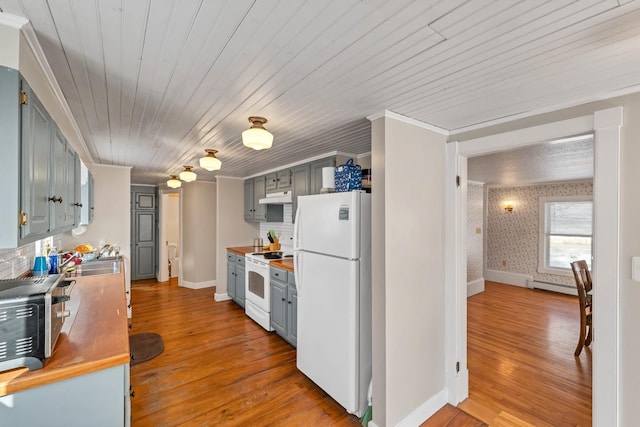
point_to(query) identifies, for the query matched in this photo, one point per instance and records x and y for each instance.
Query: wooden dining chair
(584, 285)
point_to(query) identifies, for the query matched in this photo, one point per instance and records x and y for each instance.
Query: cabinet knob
(282, 299)
(78, 205)
(55, 199)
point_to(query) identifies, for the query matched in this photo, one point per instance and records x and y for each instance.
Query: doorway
(170, 232)
(521, 340)
(606, 127)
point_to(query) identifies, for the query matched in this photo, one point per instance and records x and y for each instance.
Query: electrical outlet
(504, 262)
(478, 230)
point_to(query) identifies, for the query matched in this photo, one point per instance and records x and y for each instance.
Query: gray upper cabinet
(86, 195)
(38, 163)
(316, 173)
(36, 147)
(254, 190)
(301, 184)
(278, 181)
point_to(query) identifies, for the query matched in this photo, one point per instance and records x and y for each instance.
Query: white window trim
(542, 245)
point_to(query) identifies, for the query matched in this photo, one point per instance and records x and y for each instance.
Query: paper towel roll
(328, 177)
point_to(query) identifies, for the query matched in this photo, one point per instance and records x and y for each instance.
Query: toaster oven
(32, 312)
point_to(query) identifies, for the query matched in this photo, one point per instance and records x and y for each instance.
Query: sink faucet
(73, 256)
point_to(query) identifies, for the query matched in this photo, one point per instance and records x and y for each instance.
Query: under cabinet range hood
(277, 198)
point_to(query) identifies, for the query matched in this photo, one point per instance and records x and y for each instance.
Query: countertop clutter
(93, 338)
(286, 263)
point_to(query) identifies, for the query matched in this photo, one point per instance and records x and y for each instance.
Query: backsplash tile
(284, 229)
(14, 262)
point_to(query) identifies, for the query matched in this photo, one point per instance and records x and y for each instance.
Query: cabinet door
(279, 307)
(248, 199)
(271, 182)
(300, 176)
(259, 192)
(284, 179)
(316, 173)
(231, 276)
(292, 315)
(70, 202)
(58, 181)
(36, 166)
(240, 281)
(144, 245)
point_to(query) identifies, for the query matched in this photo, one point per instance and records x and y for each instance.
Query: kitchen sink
(97, 267)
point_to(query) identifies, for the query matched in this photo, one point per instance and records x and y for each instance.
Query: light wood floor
(520, 357)
(219, 368)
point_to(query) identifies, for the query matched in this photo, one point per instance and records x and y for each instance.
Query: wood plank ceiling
(153, 83)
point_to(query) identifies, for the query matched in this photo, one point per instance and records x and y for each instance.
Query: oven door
(257, 283)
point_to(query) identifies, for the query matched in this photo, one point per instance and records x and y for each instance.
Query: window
(565, 233)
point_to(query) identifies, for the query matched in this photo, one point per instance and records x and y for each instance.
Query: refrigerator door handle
(297, 265)
(296, 229)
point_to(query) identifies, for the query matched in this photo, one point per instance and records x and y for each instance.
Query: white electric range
(258, 290)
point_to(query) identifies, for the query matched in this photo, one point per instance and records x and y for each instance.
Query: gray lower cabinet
(236, 278)
(284, 304)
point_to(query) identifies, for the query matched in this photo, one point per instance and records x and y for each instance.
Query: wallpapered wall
(513, 236)
(475, 245)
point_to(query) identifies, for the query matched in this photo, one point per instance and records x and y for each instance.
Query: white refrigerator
(332, 264)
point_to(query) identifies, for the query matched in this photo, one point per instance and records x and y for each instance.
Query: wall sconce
(508, 206)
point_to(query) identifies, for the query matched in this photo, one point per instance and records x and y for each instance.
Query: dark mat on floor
(145, 347)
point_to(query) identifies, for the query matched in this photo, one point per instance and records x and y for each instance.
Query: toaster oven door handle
(59, 298)
(68, 284)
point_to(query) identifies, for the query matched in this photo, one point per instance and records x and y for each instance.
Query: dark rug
(145, 347)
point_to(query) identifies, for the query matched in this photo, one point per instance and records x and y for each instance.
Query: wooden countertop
(286, 263)
(242, 250)
(94, 337)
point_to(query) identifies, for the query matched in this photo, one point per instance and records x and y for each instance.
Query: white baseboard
(475, 287)
(508, 278)
(555, 287)
(198, 285)
(426, 410)
(221, 297)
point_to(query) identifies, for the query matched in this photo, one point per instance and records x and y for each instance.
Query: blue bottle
(53, 261)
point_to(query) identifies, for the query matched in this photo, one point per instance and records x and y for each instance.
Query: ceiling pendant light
(257, 137)
(210, 162)
(187, 175)
(173, 182)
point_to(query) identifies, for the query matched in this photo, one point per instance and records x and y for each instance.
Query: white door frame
(163, 262)
(606, 126)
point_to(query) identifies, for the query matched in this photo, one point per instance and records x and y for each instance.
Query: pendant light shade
(187, 175)
(210, 162)
(173, 182)
(256, 136)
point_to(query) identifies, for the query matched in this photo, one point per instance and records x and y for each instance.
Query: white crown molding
(32, 40)
(586, 100)
(14, 21)
(408, 120)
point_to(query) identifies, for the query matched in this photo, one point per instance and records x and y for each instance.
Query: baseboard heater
(555, 287)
